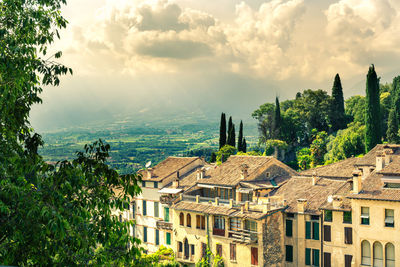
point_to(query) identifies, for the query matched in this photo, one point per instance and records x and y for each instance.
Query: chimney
(149, 173)
(301, 205)
(244, 171)
(175, 183)
(314, 178)
(337, 201)
(357, 183)
(198, 174)
(202, 173)
(388, 156)
(380, 161)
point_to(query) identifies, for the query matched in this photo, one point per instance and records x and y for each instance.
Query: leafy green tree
(373, 133)
(356, 108)
(277, 121)
(304, 158)
(222, 131)
(347, 143)
(318, 148)
(51, 215)
(392, 133)
(240, 137)
(163, 257)
(338, 117)
(224, 153)
(264, 115)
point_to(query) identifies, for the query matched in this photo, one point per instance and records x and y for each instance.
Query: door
(186, 249)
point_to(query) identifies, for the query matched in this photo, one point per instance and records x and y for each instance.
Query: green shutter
(315, 257)
(144, 234)
(289, 253)
(157, 237)
(156, 210)
(308, 256)
(289, 228)
(168, 238)
(144, 207)
(308, 230)
(315, 230)
(166, 214)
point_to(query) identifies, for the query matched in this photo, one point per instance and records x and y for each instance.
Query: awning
(245, 190)
(213, 186)
(167, 190)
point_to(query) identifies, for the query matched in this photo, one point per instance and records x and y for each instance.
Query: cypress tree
(232, 137)
(222, 131)
(373, 133)
(277, 120)
(240, 137)
(393, 127)
(230, 124)
(244, 145)
(338, 117)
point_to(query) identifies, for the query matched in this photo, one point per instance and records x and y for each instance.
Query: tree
(372, 116)
(240, 138)
(392, 133)
(222, 131)
(356, 108)
(224, 153)
(277, 122)
(244, 145)
(318, 148)
(264, 115)
(231, 133)
(304, 158)
(338, 117)
(51, 215)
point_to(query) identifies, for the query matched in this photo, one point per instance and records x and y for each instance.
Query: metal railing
(243, 235)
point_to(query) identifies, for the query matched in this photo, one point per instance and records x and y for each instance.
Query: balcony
(220, 232)
(163, 225)
(167, 199)
(243, 236)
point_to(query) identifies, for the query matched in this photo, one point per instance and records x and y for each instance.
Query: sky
(160, 58)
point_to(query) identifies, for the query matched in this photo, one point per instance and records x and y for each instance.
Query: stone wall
(273, 240)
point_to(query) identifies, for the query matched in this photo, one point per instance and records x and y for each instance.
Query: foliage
(392, 133)
(222, 131)
(338, 117)
(163, 257)
(218, 261)
(347, 143)
(250, 153)
(304, 158)
(225, 152)
(356, 108)
(231, 140)
(279, 144)
(277, 121)
(372, 115)
(318, 148)
(240, 138)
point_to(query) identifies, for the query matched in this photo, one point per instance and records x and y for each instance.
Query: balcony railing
(220, 232)
(163, 225)
(242, 235)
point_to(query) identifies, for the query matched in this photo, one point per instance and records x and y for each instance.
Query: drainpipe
(208, 239)
(322, 239)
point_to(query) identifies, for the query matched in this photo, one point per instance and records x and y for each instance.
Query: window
(180, 247)
(315, 226)
(347, 217)
(314, 218)
(289, 253)
(289, 228)
(389, 253)
(348, 235)
(233, 252)
(181, 219)
(247, 197)
(315, 258)
(234, 224)
(157, 237)
(219, 222)
(191, 249)
(144, 207)
(166, 214)
(327, 233)
(143, 184)
(365, 253)
(308, 256)
(308, 230)
(155, 184)
(168, 238)
(327, 259)
(156, 210)
(290, 215)
(365, 215)
(188, 220)
(250, 225)
(144, 234)
(203, 250)
(389, 218)
(378, 254)
(347, 260)
(219, 250)
(200, 222)
(328, 215)
(254, 256)
(203, 222)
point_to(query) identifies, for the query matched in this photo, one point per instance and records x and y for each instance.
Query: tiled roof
(340, 169)
(168, 168)
(369, 159)
(229, 173)
(393, 168)
(302, 188)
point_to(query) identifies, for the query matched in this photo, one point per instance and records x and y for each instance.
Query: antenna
(148, 164)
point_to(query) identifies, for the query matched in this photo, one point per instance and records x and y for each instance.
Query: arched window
(181, 219)
(365, 253)
(389, 253)
(378, 254)
(188, 220)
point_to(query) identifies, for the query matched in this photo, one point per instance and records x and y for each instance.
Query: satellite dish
(330, 199)
(148, 164)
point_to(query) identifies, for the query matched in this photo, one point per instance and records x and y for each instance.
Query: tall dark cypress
(244, 145)
(232, 136)
(277, 121)
(393, 127)
(240, 137)
(222, 131)
(373, 133)
(338, 117)
(230, 124)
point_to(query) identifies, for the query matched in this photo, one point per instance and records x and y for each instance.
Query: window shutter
(315, 230)
(168, 238)
(308, 230)
(254, 256)
(308, 256)
(348, 235)
(144, 234)
(289, 253)
(166, 214)
(327, 259)
(156, 210)
(203, 222)
(347, 260)
(289, 228)
(157, 237)
(327, 233)
(315, 257)
(144, 207)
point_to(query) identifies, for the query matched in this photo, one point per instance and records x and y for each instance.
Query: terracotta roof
(168, 168)
(270, 183)
(302, 188)
(229, 173)
(340, 169)
(393, 168)
(369, 159)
